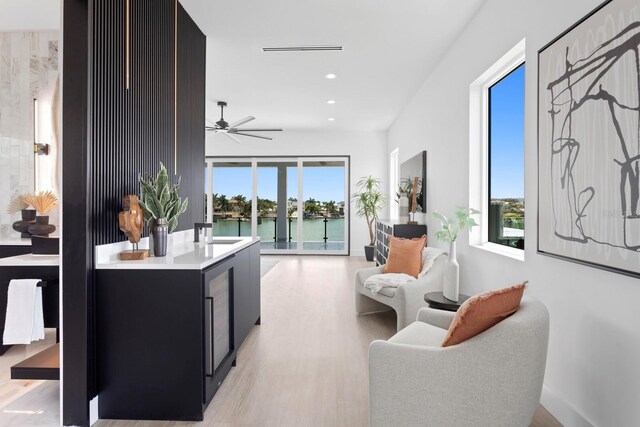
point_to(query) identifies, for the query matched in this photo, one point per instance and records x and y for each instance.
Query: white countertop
(30, 260)
(14, 241)
(184, 254)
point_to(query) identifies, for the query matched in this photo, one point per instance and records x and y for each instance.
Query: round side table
(438, 301)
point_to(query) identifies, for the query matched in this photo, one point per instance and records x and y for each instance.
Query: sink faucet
(200, 226)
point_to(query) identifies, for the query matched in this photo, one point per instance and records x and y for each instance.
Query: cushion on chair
(405, 255)
(429, 255)
(420, 333)
(481, 312)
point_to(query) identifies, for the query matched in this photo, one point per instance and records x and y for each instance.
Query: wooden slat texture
(134, 130)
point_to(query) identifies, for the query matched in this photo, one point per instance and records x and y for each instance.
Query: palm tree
(331, 208)
(224, 204)
(311, 207)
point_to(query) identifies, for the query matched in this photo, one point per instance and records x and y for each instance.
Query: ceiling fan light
(331, 76)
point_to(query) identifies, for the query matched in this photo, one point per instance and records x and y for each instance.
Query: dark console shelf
(42, 366)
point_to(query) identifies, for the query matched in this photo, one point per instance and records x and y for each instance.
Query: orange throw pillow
(480, 312)
(405, 256)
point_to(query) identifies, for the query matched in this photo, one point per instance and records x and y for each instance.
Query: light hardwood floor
(306, 365)
(28, 402)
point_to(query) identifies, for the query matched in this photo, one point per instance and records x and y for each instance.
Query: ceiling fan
(231, 130)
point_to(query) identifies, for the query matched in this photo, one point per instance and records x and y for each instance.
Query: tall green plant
(369, 202)
(159, 199)
(451, 227)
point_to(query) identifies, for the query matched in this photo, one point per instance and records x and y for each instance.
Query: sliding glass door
(229, 201)
(294, 204)
(324, 227)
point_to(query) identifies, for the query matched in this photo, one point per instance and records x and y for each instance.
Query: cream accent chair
(406, 300)
(493, 379)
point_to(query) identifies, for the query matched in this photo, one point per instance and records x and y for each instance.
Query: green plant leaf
(173, 224)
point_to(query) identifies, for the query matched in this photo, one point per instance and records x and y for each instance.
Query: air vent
(301, 48)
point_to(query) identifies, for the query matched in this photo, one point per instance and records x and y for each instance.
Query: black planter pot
(42, 226)
(160, 232)
(22, 227)
(368, 252)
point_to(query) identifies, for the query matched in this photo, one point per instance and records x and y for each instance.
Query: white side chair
(406, 299)
(493, 379)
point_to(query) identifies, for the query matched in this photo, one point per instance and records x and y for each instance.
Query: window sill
(517, 254)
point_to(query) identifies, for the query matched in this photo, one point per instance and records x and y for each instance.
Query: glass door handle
(210, 361)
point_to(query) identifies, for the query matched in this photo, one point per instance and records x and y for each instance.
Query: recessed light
(331, 119)
(331, 101)
(331, 76)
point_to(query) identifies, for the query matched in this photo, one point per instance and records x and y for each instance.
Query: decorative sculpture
(131, 222)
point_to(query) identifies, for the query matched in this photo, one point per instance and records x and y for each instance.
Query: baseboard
(93, 411)
(562, 410)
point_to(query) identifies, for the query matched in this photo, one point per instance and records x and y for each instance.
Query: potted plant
(162, 206)
(369, 201)
(43, 202)
(19, 204)
(451, 227)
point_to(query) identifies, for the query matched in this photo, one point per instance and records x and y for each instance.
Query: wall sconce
(38, 149)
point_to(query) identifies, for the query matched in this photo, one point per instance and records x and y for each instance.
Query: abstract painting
(589, 140)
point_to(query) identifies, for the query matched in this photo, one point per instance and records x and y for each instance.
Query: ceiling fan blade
(210, 128)
(241, 122)
(256, 130)
(253, 136)
(236, 140)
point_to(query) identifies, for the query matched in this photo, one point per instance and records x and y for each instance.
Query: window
(294, 204)
(506, 160)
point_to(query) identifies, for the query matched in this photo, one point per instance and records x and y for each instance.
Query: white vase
(403, 208)
(451, 287)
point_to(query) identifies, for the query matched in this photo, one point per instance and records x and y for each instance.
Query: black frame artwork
(589, 141)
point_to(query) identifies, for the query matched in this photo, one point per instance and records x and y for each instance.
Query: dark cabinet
(218, 311)
(166, 339)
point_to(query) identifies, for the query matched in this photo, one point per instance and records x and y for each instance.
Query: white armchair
(406, 300)
(493, 379)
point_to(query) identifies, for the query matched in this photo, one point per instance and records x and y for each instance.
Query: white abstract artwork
(589, 141)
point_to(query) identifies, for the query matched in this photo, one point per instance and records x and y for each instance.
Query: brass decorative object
(131, 222)
(175, 88)
(128, 44)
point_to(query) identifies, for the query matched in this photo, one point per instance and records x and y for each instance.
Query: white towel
(25, 319)
(376, 282)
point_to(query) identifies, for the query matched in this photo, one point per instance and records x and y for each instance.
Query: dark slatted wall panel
(191, 115)
(133, 130)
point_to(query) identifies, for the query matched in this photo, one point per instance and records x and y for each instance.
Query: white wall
(593, 364)
(367, 150)
(30, 15)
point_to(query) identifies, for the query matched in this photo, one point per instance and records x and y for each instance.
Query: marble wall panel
(28, 70)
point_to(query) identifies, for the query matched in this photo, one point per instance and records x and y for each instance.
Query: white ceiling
(29, 15)
(389, 49)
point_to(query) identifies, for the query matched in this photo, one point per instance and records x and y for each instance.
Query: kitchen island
(168, 329)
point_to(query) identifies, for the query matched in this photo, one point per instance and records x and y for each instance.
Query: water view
(314, 229)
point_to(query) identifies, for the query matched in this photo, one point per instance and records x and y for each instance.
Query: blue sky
(507, 136)
(321, 183)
